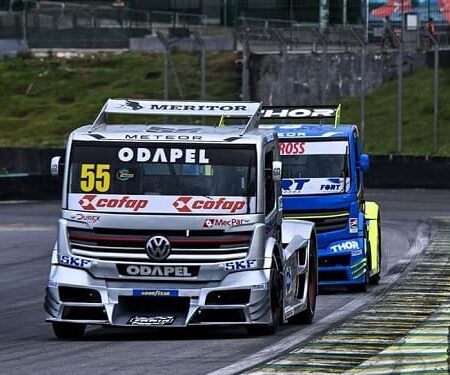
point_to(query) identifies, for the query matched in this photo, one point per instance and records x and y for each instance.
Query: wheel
(307, 316)
(375, 279)
(68, 330)
(276, 302)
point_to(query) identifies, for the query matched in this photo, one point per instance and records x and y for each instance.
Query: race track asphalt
(27, 344)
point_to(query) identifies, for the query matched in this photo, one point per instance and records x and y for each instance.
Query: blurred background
(383, 60)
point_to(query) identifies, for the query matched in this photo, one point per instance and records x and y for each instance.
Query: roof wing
(250, 110)
(291, 112)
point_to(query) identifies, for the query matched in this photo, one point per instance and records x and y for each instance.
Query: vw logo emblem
(158, 248)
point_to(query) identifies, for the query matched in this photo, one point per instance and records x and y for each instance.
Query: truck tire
(307, 316)
(71, 331)
(375, 279)
(276, 302)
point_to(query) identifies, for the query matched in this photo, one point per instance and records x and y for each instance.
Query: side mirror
(364, 162)
(277, 168)
(56, 166)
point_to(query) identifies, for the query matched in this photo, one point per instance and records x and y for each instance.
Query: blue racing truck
(323, 168)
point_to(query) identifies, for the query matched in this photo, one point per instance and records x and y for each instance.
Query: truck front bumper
(73, 295)
(343, 263)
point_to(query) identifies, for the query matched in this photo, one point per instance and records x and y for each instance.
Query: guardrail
(24, 173)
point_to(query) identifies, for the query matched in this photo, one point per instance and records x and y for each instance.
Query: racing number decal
(95, 176)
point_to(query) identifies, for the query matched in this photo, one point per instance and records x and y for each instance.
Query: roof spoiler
(291, 112)
(250, 110)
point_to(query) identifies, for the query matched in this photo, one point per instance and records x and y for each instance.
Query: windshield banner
(156, 204)
(313, 148)
(305, 186)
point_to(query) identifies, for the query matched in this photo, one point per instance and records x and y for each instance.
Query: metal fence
(68, 26)
(286, 39)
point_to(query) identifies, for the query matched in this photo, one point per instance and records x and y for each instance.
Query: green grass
(42, 100)
(381, 115)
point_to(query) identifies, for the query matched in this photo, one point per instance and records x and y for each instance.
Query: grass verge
(44, 99)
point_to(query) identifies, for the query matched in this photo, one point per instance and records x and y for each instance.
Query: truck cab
(323, 181)
(177, 225)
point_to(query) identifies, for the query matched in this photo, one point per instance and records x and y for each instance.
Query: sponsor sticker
(74, 261)
(93, 202)
(163, 155)
(164, 137)
(173, 204)
(152, 107)
(333, 185)
(157, 271)
(212, 223)
(209, 204)
(159, 129)
(151, 320)
(298, 112)
(239, 265)
(155, 293)
(288, 280)
(345, 246)
(52, 284)
(124, 174)
(353, 225)
(297, 186)
(292, 148)
(89, 219)
(293, 185)
(259, 286)
(313, 148)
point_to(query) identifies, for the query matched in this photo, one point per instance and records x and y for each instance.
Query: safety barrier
(24, 173)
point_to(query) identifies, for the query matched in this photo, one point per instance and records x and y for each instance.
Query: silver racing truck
(177, 225)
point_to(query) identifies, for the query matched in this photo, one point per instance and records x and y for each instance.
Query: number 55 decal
(95, 176)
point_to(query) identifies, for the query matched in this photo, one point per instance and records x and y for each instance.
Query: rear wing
(249, 110)
(289, 112)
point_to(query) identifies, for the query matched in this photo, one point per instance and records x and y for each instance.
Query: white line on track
(289, 342)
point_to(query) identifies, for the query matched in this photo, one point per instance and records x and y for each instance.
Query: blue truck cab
(323, 168)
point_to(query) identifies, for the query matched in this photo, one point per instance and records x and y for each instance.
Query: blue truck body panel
(336, 209)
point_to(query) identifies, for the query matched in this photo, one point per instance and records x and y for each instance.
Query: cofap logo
(181, 204)
(189, 204)
(90, 202)
(211, 223)
(85, 202)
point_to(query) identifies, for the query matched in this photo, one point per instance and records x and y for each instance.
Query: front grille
(219, 316)
(335, 260)
(70, 294)
(333, 276)
(228, 297)
(84, 313)
(154, 305)
(325, 220)
(187, 246)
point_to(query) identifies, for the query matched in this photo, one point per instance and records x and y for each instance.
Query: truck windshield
(167, 176)
(314, 167)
